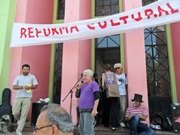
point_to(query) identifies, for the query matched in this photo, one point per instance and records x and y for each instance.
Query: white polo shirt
(22, 80)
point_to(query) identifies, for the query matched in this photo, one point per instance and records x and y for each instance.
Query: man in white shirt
(122, 82)
(23, 84)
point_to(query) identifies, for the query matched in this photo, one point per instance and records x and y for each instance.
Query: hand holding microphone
(78, 90)
(78, 86)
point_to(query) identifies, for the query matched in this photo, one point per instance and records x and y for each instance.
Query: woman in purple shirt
(88, 94)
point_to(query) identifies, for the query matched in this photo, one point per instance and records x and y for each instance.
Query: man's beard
(25, 73)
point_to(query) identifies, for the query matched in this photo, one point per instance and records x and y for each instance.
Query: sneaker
(122, 125)
(113, 128)
(156, 127)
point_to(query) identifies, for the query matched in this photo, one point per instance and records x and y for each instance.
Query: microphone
(79, 84)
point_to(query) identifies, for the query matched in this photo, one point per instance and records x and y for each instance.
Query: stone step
(99, 130)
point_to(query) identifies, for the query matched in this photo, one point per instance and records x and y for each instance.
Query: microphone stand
(71, 92)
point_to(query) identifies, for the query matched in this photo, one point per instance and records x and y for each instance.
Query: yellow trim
(93, 8)
(122, 48)
(55, 10)
(121, 36)
(171, 64)
(7, 13)
(93, 54)
(120, 5)
(58, 21)
(51, 75)
(93, 40)
(55, 13)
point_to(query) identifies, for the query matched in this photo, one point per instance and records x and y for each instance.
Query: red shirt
(142, 110)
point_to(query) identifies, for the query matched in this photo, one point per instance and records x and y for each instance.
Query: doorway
(107, 51)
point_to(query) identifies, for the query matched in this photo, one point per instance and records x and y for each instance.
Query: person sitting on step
(136, 116)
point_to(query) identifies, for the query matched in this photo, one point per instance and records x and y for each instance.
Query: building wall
(7, 13)
(37, 12)
(175, 31)
(76, 54)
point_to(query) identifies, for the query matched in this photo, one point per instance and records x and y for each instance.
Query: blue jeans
(138, 128)
(86, 124)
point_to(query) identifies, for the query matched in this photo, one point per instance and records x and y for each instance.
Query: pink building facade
(58, 68)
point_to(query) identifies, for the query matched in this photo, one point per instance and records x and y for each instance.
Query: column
(175, 31)
(135, 58)
(76, 54)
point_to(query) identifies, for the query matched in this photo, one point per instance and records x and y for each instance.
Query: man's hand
(128, 118)
(27, 87)
(143, 117)
(16, 87)
(94, 113)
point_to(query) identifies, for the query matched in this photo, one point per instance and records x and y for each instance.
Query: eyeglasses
(117, 68)
(37, 129)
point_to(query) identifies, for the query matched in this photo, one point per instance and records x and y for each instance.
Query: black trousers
(114, 109)
(110, 112)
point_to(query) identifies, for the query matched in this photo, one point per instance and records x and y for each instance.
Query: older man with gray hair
(54, 120)
(88, 94)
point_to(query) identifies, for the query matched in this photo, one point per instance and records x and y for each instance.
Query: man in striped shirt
(136, 116)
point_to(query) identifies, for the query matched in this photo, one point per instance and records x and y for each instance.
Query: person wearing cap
(122, 83)
(136, 116)
(88, 94)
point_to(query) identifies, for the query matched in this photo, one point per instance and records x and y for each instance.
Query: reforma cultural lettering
(158, 13)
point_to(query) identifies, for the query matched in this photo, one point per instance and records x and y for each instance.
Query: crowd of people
(54, 120)
(115, 112)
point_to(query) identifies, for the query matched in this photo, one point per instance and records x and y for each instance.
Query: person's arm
(126, 81)
(94, 111)
(78, 93)
(143, 117)
(128, 115)
(16, 85)
(145, 113)
(96, 99)
(31, 87)
(127, 118)
(34, 84)
(103, 80)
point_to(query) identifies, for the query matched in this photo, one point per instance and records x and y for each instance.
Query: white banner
(155, 14)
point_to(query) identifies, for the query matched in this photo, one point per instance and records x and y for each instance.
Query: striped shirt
(142, 110)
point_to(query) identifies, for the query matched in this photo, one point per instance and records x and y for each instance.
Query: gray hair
(58, 116)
